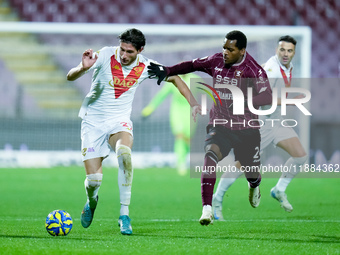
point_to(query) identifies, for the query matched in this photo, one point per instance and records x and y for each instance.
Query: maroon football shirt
(247, 73)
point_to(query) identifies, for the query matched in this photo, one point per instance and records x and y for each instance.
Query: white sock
(92, 184)
(227, 179)
(125, 175)
(124, 210)
(293, 163)
(206, 208)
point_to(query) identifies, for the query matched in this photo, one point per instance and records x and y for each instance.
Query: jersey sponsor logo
(127, 125)
(238, 73)
(118, 82)
(227, 96)
(218, 69)
(226, 80)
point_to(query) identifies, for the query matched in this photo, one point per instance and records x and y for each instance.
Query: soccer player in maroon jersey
(279, 69)
(232, 66)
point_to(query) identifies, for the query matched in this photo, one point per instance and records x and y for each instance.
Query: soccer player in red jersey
(233, 66)
(106, 110)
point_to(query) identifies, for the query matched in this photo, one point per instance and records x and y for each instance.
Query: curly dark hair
(133, 36)
(241, 39)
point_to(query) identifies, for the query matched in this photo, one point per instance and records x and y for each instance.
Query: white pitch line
(255, 220)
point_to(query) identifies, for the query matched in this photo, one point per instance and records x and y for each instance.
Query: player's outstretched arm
(185, 91)
(161, 72)
(87, 61)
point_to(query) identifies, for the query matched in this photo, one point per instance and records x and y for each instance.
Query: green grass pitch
(165, 209)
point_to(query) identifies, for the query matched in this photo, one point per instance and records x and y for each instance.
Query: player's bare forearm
(183, 88)
(185, 91)
(75, 73)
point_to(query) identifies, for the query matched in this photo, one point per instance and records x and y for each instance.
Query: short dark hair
(241, 39)
(287, 38)
(133, 36)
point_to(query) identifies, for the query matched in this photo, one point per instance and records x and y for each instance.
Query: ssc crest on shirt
(138, 70)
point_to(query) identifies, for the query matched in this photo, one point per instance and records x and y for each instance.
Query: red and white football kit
(107, 107)
(280, 77)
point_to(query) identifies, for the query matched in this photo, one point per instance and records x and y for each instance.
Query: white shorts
(95, 137)
(275, 134)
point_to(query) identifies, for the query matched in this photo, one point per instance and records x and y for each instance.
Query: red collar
(287, 83)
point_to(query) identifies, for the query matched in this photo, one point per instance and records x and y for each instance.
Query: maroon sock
(254, 182)
(208, 178)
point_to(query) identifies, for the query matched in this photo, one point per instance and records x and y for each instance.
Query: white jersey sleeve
(273, 69)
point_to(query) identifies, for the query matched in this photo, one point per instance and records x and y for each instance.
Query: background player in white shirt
(279, 70)
(106, 110)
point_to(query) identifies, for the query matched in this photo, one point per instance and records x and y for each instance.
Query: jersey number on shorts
(257, 153)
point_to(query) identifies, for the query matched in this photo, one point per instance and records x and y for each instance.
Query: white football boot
(207, 217)
(254, 196)
(282, 198)
(217, 209)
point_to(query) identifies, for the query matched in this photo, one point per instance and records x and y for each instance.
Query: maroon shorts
(246, 143)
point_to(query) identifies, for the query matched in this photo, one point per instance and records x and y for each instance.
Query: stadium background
(40, 118)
